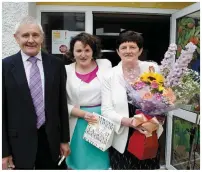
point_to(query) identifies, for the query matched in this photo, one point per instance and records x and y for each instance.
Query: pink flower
(158, 96)
(154, 84)
(139, 85)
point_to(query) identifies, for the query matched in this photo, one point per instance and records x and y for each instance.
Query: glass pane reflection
(181, 145)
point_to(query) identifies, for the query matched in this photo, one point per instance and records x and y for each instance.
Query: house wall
(12, 12)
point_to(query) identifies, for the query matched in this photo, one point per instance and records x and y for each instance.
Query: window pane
(188, 30)
(60, 21)
(181, 145)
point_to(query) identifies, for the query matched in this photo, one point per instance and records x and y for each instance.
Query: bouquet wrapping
(147, 145)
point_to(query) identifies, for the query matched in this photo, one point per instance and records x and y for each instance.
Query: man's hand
(7, 163)
(64, 149)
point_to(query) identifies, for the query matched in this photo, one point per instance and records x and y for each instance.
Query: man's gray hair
(28, 20)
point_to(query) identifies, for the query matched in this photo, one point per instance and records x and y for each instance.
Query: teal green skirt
(85, 156)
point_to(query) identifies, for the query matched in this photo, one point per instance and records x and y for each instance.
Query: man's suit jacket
(19, 132)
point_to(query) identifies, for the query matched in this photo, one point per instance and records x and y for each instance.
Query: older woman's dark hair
(129, 36)
(86, 39)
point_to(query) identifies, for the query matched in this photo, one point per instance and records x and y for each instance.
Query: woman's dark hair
(129, 36)
(86, 39)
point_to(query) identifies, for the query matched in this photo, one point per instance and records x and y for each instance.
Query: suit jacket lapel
(48, 69)
(18, 72)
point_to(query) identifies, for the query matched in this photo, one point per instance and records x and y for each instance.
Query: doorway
(155, 30)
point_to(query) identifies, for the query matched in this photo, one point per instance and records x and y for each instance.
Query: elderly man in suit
(35, 124)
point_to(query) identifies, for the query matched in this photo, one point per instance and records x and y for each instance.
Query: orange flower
(170, 95)
(147, 95)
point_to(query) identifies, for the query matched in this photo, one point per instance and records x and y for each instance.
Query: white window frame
(183, 114)
(88, 10)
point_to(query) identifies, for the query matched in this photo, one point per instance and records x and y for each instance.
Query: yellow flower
(145, 78)
(159, 78)
(161, 88)
(152, 76)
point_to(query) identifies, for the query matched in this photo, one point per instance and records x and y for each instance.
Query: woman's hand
(90, 118)
(142, 130)
(127, 122)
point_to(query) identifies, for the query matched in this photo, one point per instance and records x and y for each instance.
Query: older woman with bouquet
(115, 100)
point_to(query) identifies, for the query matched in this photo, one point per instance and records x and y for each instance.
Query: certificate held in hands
(100, 134)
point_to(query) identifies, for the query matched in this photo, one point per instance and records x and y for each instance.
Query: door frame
(183, 114)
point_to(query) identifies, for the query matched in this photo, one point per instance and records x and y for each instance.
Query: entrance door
(185, 27)
(155, 30)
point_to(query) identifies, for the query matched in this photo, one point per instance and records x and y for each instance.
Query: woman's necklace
(131, 74)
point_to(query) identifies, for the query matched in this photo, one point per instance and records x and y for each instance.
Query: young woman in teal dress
(84, 78)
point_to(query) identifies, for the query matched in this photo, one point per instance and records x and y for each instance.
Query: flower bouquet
(150, 95)
(157, 93)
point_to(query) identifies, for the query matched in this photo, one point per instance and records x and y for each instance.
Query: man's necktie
(35, 87)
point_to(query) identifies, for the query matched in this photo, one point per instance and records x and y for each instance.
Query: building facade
(159, 22)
